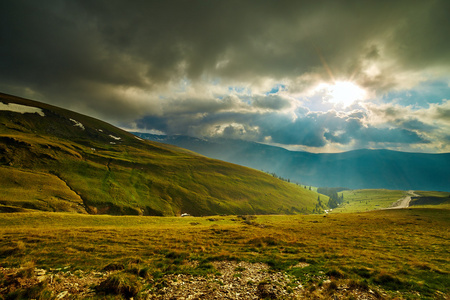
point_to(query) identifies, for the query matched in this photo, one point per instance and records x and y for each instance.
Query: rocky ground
(233, 280)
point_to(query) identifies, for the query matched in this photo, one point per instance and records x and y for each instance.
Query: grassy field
(367, 200)
(443, 199)
(403, 253)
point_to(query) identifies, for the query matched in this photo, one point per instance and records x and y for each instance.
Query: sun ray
(343, 93)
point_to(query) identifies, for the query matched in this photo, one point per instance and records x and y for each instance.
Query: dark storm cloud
(123, 61)
(145, 43)
(273, 102)
(414, 124)
(443, 112)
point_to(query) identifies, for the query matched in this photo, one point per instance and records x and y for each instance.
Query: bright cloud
(309, 75)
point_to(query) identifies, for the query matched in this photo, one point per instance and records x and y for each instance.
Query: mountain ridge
(355, 169)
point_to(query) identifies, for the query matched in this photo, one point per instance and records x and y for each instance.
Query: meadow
(442, 197)
(398, 254)
(368, 199)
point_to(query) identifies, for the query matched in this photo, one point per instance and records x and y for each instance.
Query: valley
(357, 169)
(224, 150)
(89, 210)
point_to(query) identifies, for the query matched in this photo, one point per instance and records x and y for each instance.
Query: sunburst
(343, 93)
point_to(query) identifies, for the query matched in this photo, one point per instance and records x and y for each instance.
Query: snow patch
(78, 124)
(100, 130)
(21, 109)
(138, 138)
(115, 137)
(112, 143)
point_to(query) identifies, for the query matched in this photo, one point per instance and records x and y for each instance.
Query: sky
(318, 76)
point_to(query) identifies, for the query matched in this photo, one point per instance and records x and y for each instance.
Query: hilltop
(54, 159)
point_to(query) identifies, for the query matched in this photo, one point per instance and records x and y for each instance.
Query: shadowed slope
(358, 169)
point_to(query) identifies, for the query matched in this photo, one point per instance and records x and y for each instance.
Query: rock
(62, 295)
(40, 272)
(267, 291)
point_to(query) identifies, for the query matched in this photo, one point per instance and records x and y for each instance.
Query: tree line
(335, 199)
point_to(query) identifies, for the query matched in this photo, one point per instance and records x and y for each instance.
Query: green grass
(57, 165)
(35, 190)
(404, 250)
(434, 199)
(433, 194)
(369, 199)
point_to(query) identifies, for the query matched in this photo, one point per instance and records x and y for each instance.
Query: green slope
(368, 199)
(57, 160)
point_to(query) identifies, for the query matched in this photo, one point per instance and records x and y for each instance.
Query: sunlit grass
(36, 190)
(124, 175)
(149, 180)
(366, 200)
(408, 245)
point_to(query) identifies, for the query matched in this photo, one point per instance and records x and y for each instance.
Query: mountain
(358, 169)
(57, 160)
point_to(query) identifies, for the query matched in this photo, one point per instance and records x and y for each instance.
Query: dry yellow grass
(404, 250)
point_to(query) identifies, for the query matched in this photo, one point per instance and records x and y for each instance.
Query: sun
(343, 93)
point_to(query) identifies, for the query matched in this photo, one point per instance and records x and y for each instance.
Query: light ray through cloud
(318, 76)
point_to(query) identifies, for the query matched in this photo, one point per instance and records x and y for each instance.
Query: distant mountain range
(358, 169)
(54, 159)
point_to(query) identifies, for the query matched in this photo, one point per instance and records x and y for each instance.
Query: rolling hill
(53, 159)
(358, 169)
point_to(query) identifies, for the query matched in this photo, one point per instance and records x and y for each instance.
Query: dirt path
(403, 202)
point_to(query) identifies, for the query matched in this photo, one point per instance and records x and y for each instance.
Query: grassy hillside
(431, 199)
(357, 169)
(366, 200)
(57, 160)
(389, 254)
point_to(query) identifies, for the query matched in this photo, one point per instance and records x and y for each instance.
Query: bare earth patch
(233, 280)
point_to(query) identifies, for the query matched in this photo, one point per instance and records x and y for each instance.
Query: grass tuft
(389, 281)
(114, 267)
(37, 291)
(123, 284)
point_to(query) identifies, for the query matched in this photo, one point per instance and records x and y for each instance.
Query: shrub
(123, 284)
(38, 291)
(389, 281)
(135, 260)
(363, 272)
(333, 273)
(17, 248)
(177, 256)
(145, 273)
(358, 285)
(26, 272)
(114, 267)
(332, 286)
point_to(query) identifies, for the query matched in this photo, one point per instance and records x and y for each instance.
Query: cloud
(441, 112)
(431, 124)
(150, 43)
(292, 128)
(389, 135)
(272, 102)
(241, 69)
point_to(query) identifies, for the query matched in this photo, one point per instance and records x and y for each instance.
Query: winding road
(403, 202)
